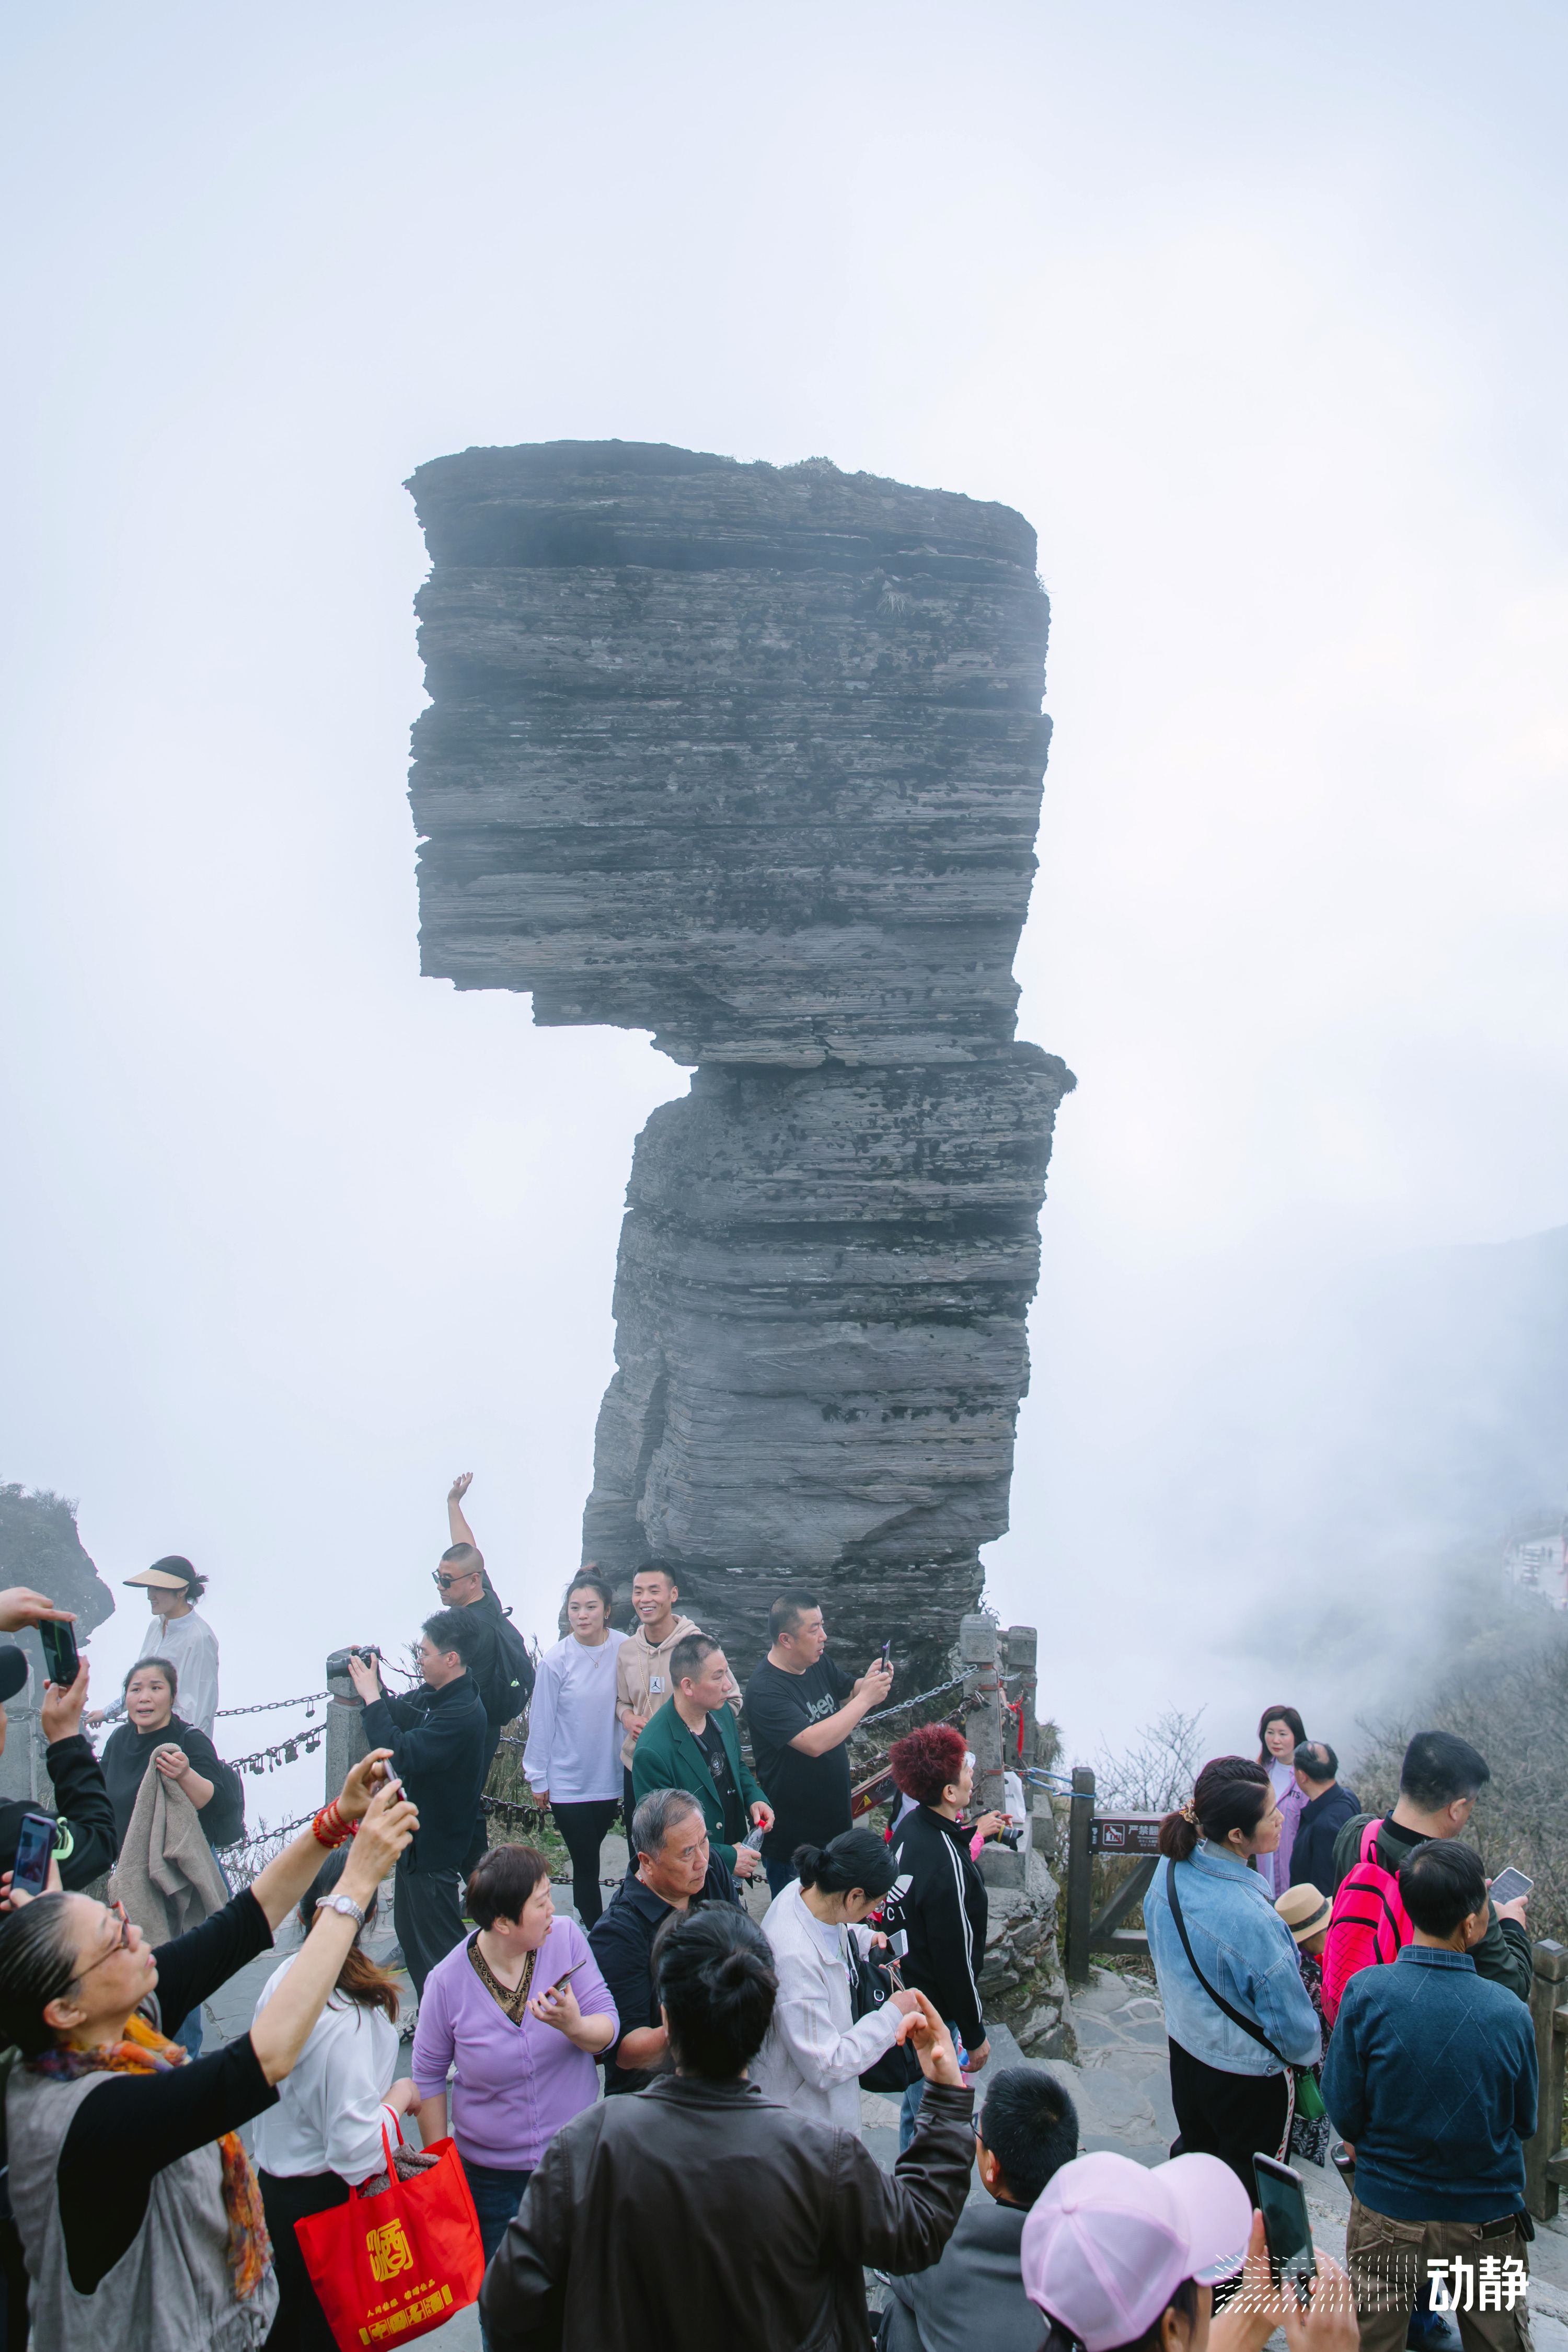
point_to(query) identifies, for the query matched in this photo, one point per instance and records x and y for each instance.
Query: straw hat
(1304, 1911)
(162, 1579)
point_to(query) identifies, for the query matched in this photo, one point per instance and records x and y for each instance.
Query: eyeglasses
(121, 1943)
(446, 1582)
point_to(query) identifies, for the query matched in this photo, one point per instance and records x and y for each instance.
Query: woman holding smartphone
(523, 2010)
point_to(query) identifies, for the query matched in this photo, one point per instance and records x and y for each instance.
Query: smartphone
(35, 1850)
(59, 1653)
(1286, 2227)
(887, 1654)
(1510, 1885)
(567, 1972)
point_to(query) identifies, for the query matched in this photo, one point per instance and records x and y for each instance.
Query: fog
(1255, 314)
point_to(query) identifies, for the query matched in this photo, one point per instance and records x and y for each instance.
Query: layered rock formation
(750, 757)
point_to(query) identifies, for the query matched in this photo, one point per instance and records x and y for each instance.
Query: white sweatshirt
(190, 1647)
(574, 1739)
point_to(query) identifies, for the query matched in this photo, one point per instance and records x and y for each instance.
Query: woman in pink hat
(1124, 2258)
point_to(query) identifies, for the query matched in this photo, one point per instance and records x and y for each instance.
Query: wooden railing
(1545, 2157)
(1089, 1833)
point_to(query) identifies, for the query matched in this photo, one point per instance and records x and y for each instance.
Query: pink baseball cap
(1108, 2241)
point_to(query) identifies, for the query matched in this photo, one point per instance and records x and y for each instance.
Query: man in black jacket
(502, 1669)
(84, 1832)
(437, 1738)
(676, 1872)
(1328, 1808)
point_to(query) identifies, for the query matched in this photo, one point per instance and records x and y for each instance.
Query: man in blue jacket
(1431, 2078)
(438, 1739)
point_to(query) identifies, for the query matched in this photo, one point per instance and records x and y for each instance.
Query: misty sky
(1255, 313)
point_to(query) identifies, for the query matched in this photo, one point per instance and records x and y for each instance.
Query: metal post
(1023, 1651)
(1545, 2159)
(345, 1742)
(1080, 1867)
(983, 1702)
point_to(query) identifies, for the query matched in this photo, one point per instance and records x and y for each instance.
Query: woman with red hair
(939, 1898)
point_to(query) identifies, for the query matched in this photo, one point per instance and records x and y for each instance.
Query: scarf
(512, 2000)
(142, 2052)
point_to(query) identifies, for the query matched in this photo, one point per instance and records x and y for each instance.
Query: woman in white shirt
(325, 2135)
(572, 1760)
(181, 1634)
(815, 2052)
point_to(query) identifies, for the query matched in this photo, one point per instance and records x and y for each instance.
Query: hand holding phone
(60, 1653)
(1510, 1885)
(34, 1851)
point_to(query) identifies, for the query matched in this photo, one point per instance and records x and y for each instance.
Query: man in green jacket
(692, 1743)
(1440, 1781)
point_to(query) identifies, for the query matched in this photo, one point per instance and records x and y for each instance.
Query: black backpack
(504, 1677)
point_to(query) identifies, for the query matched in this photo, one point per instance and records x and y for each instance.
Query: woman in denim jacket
(1231, 2084)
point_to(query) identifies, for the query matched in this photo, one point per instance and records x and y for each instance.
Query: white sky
(1255, 313)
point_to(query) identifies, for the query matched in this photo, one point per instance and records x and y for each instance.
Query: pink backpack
(1369, 1925)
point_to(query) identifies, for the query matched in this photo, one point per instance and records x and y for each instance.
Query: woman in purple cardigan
(1280, 1733)
(522, 2007)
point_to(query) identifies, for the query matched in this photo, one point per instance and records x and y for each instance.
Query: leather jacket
(699, 2214)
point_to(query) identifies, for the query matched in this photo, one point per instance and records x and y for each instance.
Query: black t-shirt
(711, 1747)
(810, 1794)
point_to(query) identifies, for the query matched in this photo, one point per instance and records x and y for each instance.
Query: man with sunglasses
(502, 1670)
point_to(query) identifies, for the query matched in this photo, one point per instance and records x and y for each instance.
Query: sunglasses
(447, 1579)
(121, 1943)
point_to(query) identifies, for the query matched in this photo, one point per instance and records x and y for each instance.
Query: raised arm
(85, 1843)
(284, 2025)
(461, 1531)
(279, 1887)
(832, 1731)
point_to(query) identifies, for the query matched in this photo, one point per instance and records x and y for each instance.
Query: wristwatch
(347, 1906)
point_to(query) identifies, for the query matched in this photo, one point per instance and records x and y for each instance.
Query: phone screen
(59, 1653)
(1510, 1885)
(30, 1871)
(1285, 2226)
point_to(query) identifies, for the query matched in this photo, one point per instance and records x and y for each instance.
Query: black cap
(12, 1671)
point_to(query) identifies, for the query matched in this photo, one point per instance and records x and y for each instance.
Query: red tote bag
(389, 2268)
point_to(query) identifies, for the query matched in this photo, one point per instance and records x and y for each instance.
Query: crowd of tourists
(647, 2117)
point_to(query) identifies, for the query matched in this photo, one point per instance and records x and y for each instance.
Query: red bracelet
(329, 1829)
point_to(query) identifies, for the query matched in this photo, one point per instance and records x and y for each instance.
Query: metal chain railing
(287, 1752)
(310, 1702)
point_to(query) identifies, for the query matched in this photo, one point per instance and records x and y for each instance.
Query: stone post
(1023, 1651)
(977, 1648)
(1545, 2159)
(345, 1742)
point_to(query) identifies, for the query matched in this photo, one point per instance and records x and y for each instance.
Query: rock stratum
(751, 757)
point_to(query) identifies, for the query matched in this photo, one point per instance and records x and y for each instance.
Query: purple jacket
(517, 2085)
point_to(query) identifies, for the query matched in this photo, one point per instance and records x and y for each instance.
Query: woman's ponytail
(855, 1858)
(1178, 1834)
